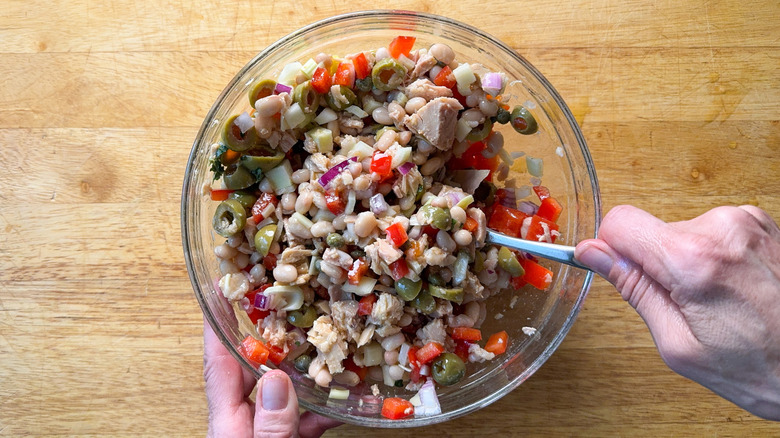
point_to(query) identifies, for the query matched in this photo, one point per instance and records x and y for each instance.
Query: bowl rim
(558, 101)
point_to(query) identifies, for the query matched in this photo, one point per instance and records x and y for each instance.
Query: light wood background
(100, 333)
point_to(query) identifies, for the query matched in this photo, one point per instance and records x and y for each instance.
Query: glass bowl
(568, 173)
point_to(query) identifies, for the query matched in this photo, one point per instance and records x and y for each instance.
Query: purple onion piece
(405, 168)
(281, 88)
(328, 176)
(528, 207)
(378, 204)
(261, 302)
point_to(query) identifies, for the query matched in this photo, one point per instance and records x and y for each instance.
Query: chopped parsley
(216, 163)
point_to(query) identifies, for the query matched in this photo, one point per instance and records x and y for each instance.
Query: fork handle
(559, 253)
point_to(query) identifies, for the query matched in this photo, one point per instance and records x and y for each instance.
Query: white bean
(431, 166)
(322, 228)
(444, 241)
(269, 105)
(241, 260)
(386, 140)
(488, 107)
(440, 201)
(288, 202)
(227, 267)
(382, 116)
(275, 248)
(235, 241)
(463, 237)
(323, 378)
(393, 342)
(435, 70)
(391, 357)
(303, 202)
(386, 280)
(458, 214)
(355, 169)
(395, 372)
(319, 200)
(348, 378)
(225, 251)
(301, 176)
(473, 115)
(365, 224)
(257, 272)
(362, 182)
(414, 104)
(285, 273)
(404, 137)
(405, 320)
(339, 222)
(442, 52)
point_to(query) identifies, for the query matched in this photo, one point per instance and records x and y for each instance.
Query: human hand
(233, 414)
(709, 291)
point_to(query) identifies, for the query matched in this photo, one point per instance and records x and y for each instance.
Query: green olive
(305, 95)
(408, 289)
(338, 104)
(229, 218)
(335, 240)
(245, 198)
(480, 133)
(508, 262)
(437, 217)
(238, 177)
(424, 302)
(435, 279)
(234, 139)
(454, 294)
(503, 116)
(264, 238)
(479, 261)
(523, 121)
(448, 369)
(261, 89)
(302, 363)
(388, 74)
(303, 318)
(263, 158)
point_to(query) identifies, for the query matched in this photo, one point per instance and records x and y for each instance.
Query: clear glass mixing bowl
(568, 172)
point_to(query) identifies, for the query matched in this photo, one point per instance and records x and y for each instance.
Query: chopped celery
(309, 67)
(363, 288)
(280, 178)
(338, 394)
(322, 137)
(401, 156)
(357, 111)
(289, 72)
(464, 76)
(293, 117)
(361, 150)
(325, 116)
(534, 166)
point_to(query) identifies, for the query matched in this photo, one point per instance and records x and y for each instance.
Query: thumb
(276, 409)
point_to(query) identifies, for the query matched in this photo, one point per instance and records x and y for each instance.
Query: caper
(335, 240)
(245, 198)
(448, 369)
(364, 84)
(437, 217)
(503, 116)
(480, 133)
(303, 318)
(264, 238)
(408, 289)
(302, 363)
(508, 262)
(523, 121)
(262, 158)
(261, 89)
(454, 294)
(234, 139)
(229, 218)
(305, 95)
(435, 279)
(337, 103)
(357, 253)
(424, 302)
(388, 74)
(238, 177)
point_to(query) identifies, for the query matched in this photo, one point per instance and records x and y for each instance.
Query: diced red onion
(510, 200)
(281, 88)
(456, 197)
(491, 83)
(245, 304)
(429, 400)
(261, 302)
(378, 204)
(328, 176)
(528, 207)
(244, 122)
(405, 168)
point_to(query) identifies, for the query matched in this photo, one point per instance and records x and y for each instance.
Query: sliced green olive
(435, 279)
(448, 369)
(302, 363)
(245, 198)
(229, 218)
(479, 261)
(338, 104)
(264, 159)
(303, 318)
(522, 120)
(264, 238)
(261, 89)
(437, 217)
(508, 262)
(238, 177)
(234, 139)
(424, 302)
(335, 240)
(305, 95)
(408, 289)
(388, 74)
(480, 133)
(454, 294)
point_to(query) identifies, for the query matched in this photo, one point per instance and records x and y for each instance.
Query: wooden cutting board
(100, 334)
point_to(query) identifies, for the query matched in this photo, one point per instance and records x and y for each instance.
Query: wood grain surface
(100, 333)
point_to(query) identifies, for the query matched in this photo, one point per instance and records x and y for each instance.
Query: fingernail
(598, 260)
(274, 392)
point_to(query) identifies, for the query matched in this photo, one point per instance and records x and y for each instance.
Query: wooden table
(100, 334)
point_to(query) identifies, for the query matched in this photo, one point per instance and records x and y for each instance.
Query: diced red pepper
(431, 232)
(459, 97)
(399, 269)
(276, 354)
(462, 350)
(429, 352)
(471, 225)
(220, 195)
(517, 282)
(366, 304)
(550, 209)
(321, 80)
(269, 262)
(536, 275)
(473, 159)
(445, 78)
(411, 357)
(466, 334)
(362, 69)
(254, 350)
(261, 204)
(381, 164)
(415, 375)
(335, 203)
(506, 220)
(536, 229)
(396, 408)
(542, 192)
(497, 343)
(345, 75)
(397, 234)
(401, 45)
(356, 272)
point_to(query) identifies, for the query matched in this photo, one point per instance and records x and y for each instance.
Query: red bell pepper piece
(536, 275)
(471, 225)
(220, 195)
(381, 164)
(396, 408)
(321, 80)
(473, 159)
(366, 304)
(261, 204)
(466, 334)
(399, 269)
(276, 354)
(542, 192)
(445, 78)
(517, 282)
(401, 45)
(362, 69)
(429, 352)
(254, 350)
(345, 75)
(269, 262)
(536, 229)
(497, 343)
(356, 272)
(462, 350)
(506, 220)
(550, 209)
(397, 234)
(335, 203)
